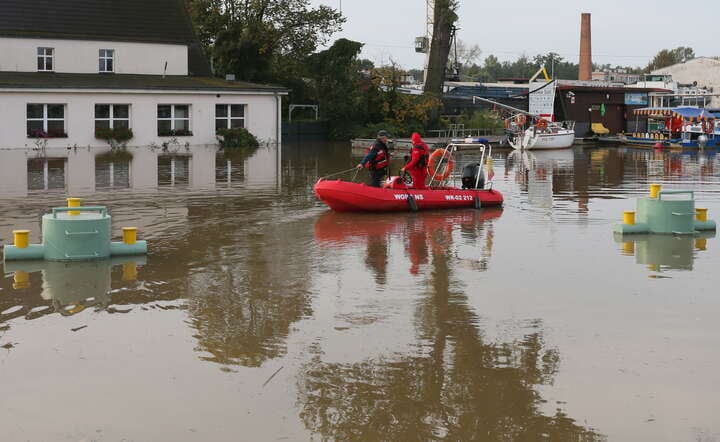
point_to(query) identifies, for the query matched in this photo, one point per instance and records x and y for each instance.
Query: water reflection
(540, 173)
(85, 170)
(664, 252)
(43, 287)
(457, 384)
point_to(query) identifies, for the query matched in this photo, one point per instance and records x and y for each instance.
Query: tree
(669, 57)
(444, 18)
(261, 40)
(335, 73)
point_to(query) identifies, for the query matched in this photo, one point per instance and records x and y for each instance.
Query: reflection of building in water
(664, 252)
(69, 287)
(82, 171)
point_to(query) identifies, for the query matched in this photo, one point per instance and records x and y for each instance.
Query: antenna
(165, 69)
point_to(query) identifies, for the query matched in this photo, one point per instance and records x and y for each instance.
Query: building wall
(261, 116)
(584, 109)
(78, 56)
(705, 71)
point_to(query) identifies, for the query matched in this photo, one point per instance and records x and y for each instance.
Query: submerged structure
(75, 233)
(669, 212)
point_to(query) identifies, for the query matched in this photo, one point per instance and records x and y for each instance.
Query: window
(229, 116)
(112, 116)
(173, 120)
(45, 59)
(106, 60)
(46, 121)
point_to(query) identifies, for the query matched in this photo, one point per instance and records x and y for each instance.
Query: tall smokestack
(585, 49)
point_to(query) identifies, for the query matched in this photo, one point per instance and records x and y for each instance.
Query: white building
(699, 76)
(71, 67)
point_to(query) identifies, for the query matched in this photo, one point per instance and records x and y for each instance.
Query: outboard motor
(470, 176)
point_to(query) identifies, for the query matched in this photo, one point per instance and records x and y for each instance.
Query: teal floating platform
(670, 212)
(77, 233)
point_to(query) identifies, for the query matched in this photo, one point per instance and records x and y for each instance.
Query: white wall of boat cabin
(82, 56)
(261, 115)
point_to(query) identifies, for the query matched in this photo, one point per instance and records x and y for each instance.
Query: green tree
(669, 57)
(335, 73)
(261, 40)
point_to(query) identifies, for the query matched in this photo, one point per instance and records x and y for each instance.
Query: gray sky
(626, 33)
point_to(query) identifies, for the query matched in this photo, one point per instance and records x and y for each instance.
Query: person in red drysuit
(417, 166)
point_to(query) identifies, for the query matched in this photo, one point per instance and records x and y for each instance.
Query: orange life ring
(520, 119)
(438, 158)
(541, 124)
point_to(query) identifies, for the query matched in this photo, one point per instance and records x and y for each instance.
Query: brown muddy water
(260, 315)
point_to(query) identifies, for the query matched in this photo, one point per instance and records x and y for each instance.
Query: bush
(238, 137)
(117, 135)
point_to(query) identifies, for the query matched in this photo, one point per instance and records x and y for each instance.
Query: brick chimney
(585, 49)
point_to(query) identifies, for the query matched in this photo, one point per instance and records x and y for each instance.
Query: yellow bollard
(73, 202)
(628, 248)
(654, 190)
(129, 235)
(21, 280)
(21, 238)
(701, 214)
(129, 271)
(700, 243)
(629, 217)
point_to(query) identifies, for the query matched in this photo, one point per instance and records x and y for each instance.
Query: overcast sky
(626, 33)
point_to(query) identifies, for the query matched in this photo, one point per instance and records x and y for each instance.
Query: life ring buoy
(438, 158)
(541, 124)
(520, 120)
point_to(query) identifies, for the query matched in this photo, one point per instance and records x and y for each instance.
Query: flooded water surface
(258, 314)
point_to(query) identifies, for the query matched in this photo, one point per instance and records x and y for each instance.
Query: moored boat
(685, 127)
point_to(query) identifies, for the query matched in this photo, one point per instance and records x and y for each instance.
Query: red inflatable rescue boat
(346, 196)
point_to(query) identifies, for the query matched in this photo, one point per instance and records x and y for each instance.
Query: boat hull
(561, 140)
(344, 196)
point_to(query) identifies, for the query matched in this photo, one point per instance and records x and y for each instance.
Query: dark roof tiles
(126, 20)
(50, 80)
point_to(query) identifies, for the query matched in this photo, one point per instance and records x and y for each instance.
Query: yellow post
(129, 235)
(629, 217)
(654, 190)
(21, 238)
(21, 280)
(73, 202)
(129, 271)
(700, 243)
(701, 214)
(628, 248)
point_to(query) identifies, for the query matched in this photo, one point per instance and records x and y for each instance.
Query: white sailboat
(536, 129)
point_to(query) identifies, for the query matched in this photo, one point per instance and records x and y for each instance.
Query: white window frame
(111, 119)
(47, 54)
(45, 119)
(228, 119)
(173, 119)
(106, 56)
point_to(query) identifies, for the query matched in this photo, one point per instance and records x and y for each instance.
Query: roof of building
(52, 80)
(154, 21)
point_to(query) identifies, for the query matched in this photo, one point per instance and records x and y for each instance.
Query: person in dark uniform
(377, 159)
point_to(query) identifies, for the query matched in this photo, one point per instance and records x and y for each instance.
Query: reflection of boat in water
(661, 251)
(333, 228)
(421, 233)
